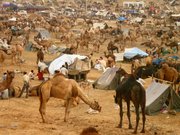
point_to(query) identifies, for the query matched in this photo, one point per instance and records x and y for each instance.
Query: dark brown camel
(111, 47)
(40, 55)
(5, 84)
(130, 90)
(89, 131)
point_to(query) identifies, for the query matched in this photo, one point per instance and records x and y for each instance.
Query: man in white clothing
(64, 71)
(26, 80)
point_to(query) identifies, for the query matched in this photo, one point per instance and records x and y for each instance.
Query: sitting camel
(5, 84)
(63, 88)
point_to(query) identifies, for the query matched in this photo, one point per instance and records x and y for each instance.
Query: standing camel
(5, 84)
(4, 56)
(130, 90)
(167, 73)
(63, 88)
(40, 55)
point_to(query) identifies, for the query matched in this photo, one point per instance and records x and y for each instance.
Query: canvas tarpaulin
(132, 52)
(156, 96)
(108, 80)
(58, 62)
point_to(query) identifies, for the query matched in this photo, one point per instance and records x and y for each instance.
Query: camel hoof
(44, 121)
(130, 127)
(119, 126)
(143, 131)
(135, 132)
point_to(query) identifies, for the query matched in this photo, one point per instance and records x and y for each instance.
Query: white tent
(58, 62)
(132, 52)
(156, 96)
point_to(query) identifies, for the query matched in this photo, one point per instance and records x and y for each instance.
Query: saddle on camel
(63, 88)
(130, 90)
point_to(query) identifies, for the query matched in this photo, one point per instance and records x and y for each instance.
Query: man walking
(26, 80)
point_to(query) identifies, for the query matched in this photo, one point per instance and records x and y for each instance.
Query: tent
(43, 33)
(156, 96)
(121, 18)
(108, 80)
(70, 59)
(132, 52)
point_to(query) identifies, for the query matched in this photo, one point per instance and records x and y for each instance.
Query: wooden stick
(161, 80)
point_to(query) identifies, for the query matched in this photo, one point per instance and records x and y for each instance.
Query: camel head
(165, 66)
(96, 106)
(11, 74)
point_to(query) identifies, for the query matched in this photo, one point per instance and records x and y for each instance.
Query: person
(40, 75)
(26, 80)
(66, 65)
(103, 63)
(64, 71)
(42, 66)
(4, 76)
(31, 75)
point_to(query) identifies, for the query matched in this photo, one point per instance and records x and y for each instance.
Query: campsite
(67, 37)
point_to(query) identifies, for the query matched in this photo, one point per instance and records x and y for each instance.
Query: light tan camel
(18, 49)
(45, 43)
(167, 73)
(5, 84)
(63, 88)
(4, 56)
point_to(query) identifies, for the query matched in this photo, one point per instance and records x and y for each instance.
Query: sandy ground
(19, 116)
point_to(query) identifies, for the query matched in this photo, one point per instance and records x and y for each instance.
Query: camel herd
(16, 35)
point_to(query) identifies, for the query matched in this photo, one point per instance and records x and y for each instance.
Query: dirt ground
(19, 116)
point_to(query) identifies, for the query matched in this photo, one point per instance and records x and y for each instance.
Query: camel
(110, 60)
(18, 49)
(63, 88)
(45, 43)
(130, 90)
(135, 64)
(4, 56)
(83, 43)
(97, 44)
(111, 47)
(5, 84)
(88, 22)
(173, 44)
(40, 55)
(71, 50)
(167, 73)
(148, 60)
(89, 131)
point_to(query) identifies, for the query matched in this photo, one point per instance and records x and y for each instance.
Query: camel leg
(143, 117)
(137, 118)
(42, 109)
(121, 113)
(67, 110)
(128, 114)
